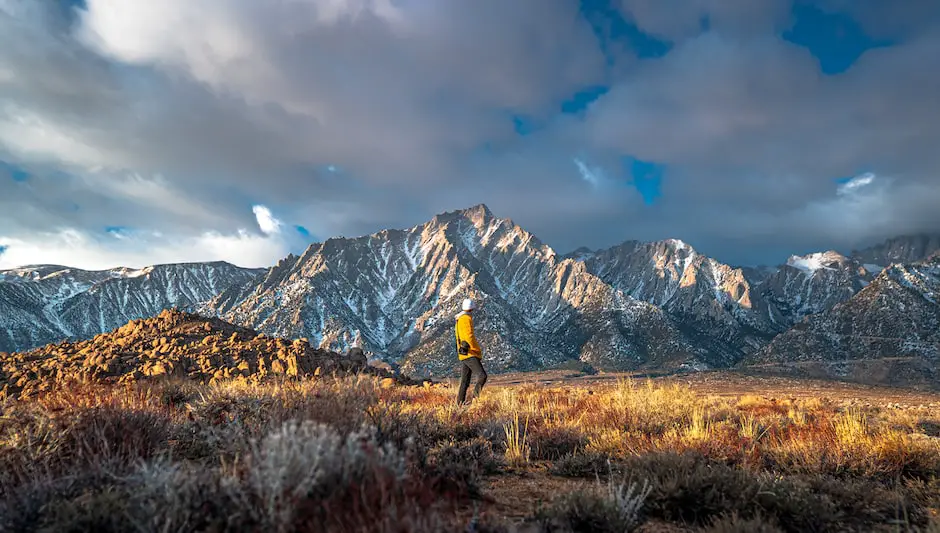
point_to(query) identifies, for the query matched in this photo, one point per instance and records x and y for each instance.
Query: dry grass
(350, 455)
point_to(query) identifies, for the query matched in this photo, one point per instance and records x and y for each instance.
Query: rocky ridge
(397, 291)
(46, 303)
(172, 344)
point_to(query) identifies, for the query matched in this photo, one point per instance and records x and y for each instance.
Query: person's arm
(471, 338)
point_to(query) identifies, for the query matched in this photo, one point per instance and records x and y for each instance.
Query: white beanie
(468, 305)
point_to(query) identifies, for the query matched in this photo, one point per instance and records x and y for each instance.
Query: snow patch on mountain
(812, 262)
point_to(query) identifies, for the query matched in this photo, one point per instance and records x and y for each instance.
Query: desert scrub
(551, 442)
(689, 488)
(609, 507)
(460, 466)
(306, 460)
(100, 438)
(301, 476)
(237, 455)
(587, 464)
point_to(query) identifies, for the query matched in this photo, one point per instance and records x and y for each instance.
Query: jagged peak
(672, 245)
(478, 210)
(479, 213)
(580, 254)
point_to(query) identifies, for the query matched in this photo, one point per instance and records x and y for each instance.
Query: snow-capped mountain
(811, 284)
(894, 320)
(47, 303)
(636, 305)
(710, 299)
(397, 292)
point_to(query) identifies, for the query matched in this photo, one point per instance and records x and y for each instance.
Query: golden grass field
(719, 453)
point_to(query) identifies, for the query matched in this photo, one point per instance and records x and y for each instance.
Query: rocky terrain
(173, 343)
(635, 306)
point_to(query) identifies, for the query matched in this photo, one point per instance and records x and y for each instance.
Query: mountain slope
(395, 293)
(811, 284)
(712, 300)
(904, 250)
(46, 304)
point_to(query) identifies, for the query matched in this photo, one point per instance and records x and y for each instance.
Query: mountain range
(635, 306)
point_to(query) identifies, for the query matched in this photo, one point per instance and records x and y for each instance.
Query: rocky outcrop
(173, 344)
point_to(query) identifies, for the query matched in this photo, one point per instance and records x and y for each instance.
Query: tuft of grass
(700, 427)
(851, 428)
(797, 416)
(517, 446)
(750, 428)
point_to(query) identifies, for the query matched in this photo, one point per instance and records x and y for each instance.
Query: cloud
(680, 19)
(81, 249)
(266, 221)
(347, 117)
(592, 176)
(852, 185)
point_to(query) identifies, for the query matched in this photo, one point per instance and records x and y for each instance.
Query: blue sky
(136, 133)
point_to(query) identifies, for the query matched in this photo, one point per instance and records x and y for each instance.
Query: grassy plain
(544, 452)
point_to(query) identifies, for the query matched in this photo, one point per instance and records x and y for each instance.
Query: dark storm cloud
(175, 118)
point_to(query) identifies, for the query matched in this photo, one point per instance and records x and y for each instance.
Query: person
(469, 353)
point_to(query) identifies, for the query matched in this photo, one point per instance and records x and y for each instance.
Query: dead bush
(554, 442)
(587, 464)
(732, 523)
(460, 466)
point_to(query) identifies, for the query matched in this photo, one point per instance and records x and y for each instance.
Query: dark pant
(469, 366)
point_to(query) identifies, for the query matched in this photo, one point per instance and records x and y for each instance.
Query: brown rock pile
(173, 343)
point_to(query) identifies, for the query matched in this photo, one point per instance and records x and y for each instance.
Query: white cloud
(79, 249)
(590, 175)
(138, 248)
(856, 183)
(266, 221)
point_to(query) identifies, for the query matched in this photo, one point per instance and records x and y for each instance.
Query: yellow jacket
(464, 332)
